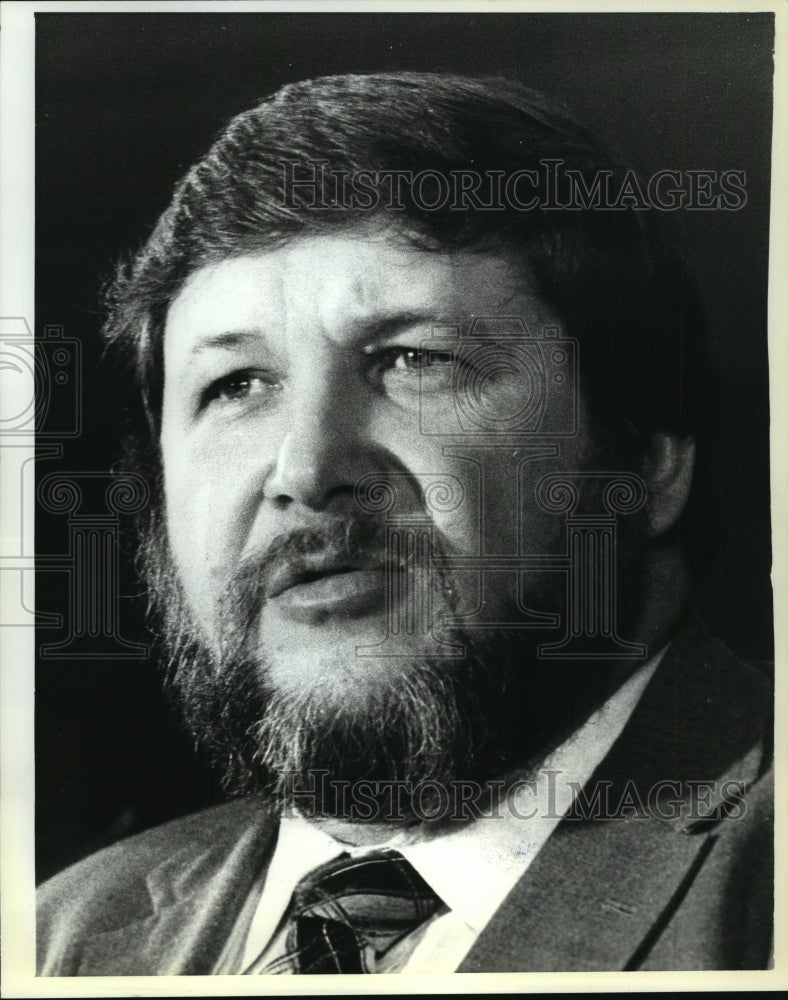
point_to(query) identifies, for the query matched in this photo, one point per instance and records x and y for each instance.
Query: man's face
(292, 374)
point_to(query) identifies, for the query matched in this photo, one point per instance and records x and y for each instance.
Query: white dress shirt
(472, 867)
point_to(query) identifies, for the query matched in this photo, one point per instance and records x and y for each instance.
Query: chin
(343, 664)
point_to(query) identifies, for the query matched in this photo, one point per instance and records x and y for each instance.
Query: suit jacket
(665, 861)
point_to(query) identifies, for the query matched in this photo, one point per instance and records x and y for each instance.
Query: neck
(356, 834)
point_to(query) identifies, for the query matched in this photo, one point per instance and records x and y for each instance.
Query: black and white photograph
(392, 489)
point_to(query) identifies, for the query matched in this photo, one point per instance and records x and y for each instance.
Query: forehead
(342, 286)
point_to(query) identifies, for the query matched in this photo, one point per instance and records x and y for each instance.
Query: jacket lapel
(589, 899)
(195, 899)
(602, 889)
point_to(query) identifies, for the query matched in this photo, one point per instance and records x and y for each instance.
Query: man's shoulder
(112, 887)
(705, 711)
(136, 855)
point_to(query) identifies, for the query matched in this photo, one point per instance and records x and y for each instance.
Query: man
(420, 388)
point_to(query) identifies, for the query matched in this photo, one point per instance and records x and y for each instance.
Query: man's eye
(237, 386)
(412, 360)
(411, 372)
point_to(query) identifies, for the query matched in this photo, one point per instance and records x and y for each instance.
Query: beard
(432, 722)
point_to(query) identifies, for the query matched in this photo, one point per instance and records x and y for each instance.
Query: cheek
(499, 511)
(206, 524)
(187, 528)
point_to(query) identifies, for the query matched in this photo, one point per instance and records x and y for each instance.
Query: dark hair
(619, 289)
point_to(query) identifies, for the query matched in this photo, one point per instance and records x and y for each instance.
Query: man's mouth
(316, 588)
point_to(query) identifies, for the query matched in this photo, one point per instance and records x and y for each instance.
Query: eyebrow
(372, 328)
(378, 327)
(224, 341)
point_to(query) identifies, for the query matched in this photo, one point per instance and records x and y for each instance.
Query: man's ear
(668, 473)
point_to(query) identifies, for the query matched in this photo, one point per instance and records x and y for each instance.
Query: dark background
(124, 103)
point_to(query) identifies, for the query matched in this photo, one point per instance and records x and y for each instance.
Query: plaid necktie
(346, 914)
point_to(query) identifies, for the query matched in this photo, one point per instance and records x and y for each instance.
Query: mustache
(345, 542)
(338, 544)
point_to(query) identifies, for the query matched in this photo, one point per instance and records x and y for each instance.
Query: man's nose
(325, 449)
